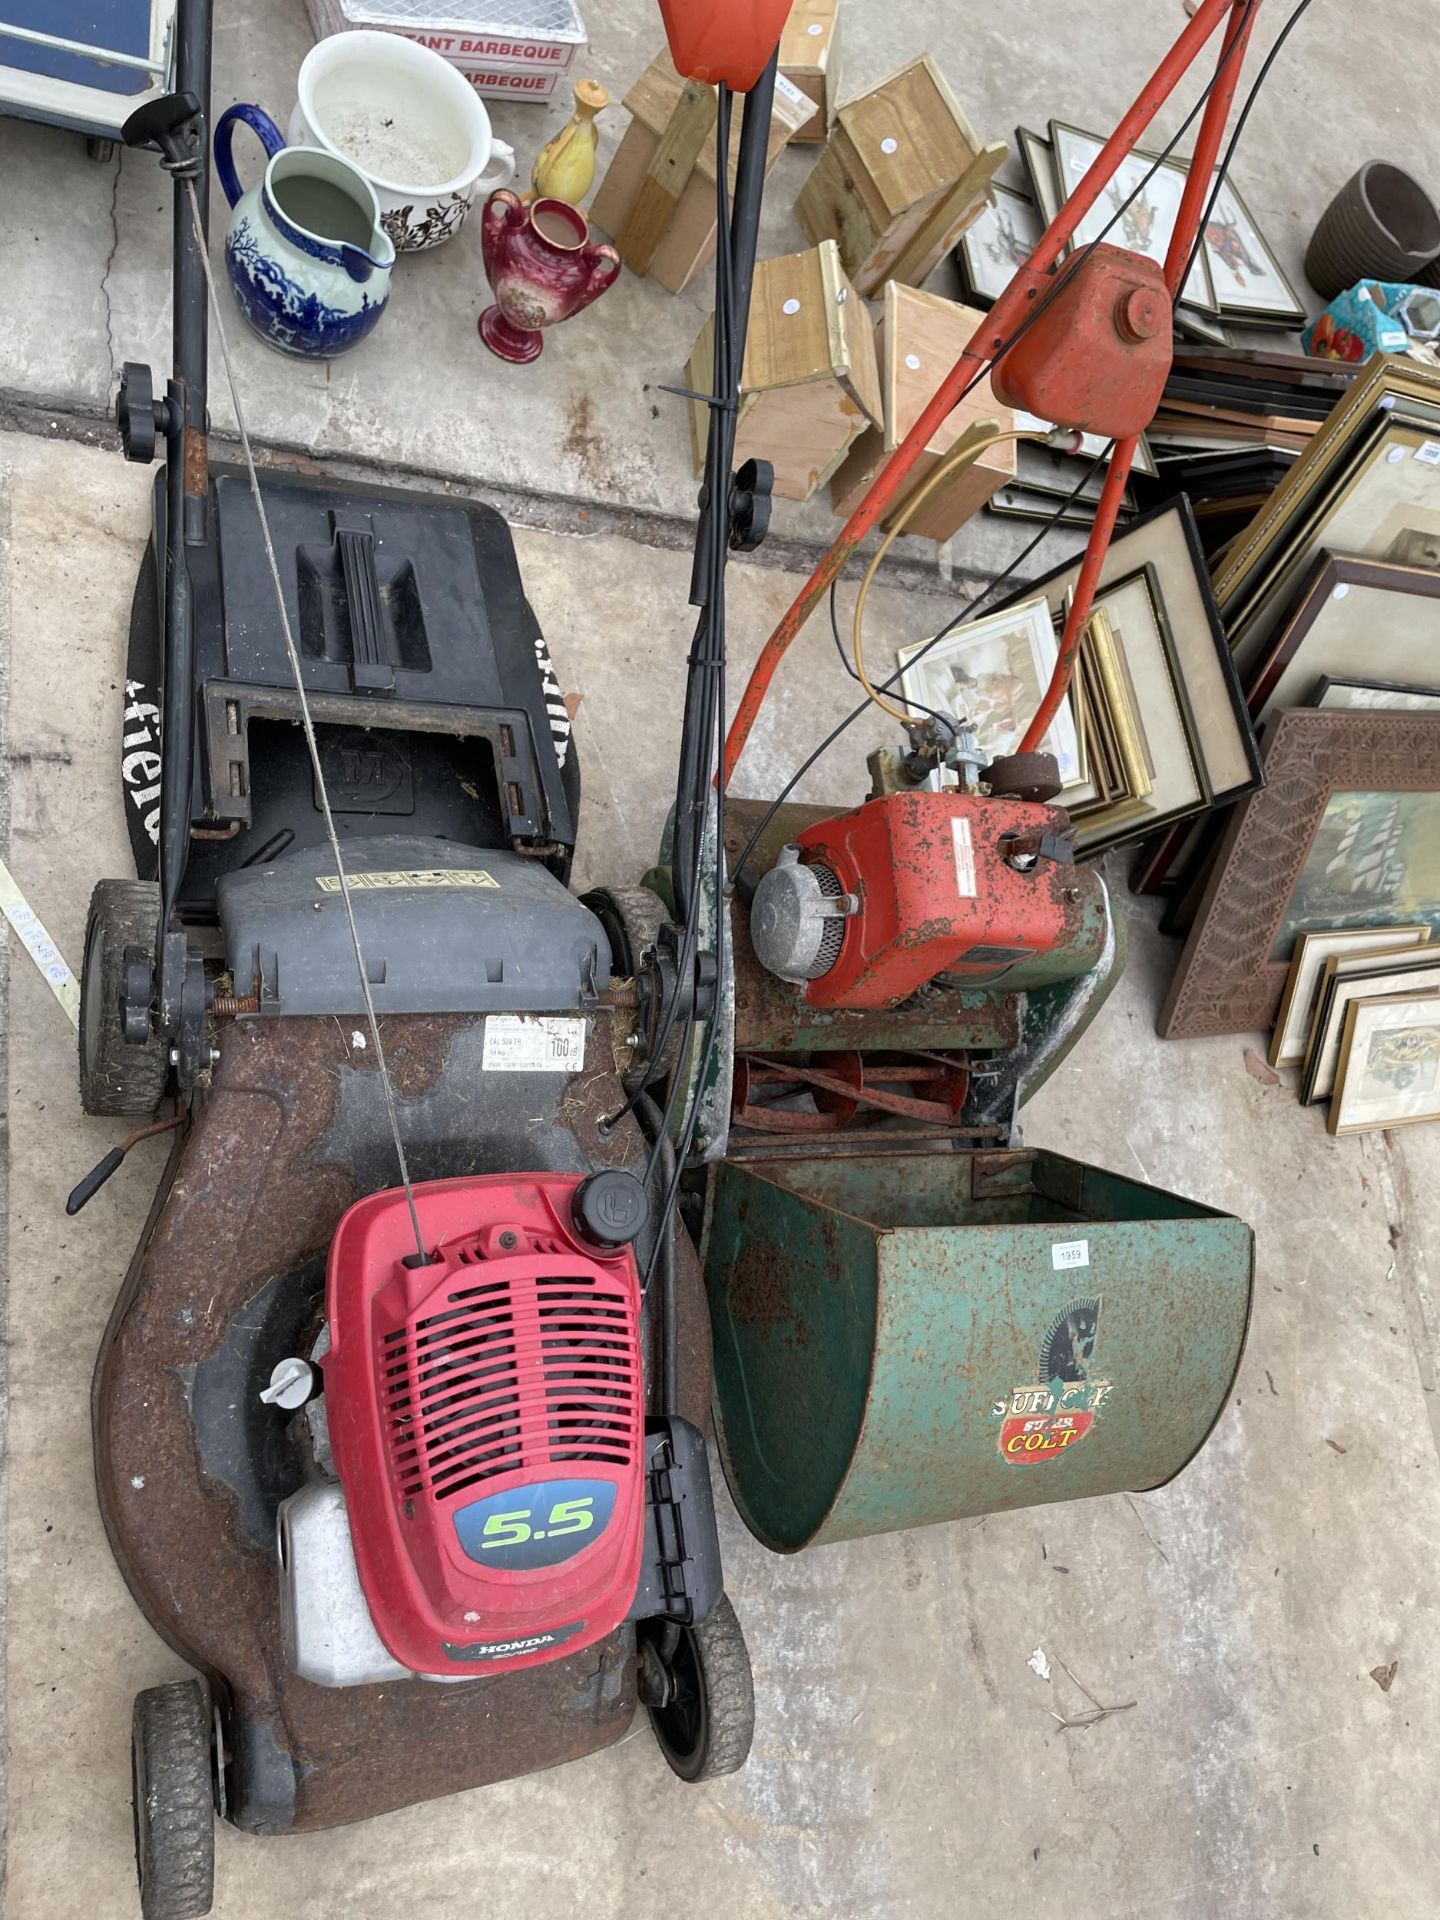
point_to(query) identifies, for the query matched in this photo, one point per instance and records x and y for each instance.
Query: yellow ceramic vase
(564, 168)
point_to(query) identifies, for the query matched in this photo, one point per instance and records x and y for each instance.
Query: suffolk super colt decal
(1043, 1421)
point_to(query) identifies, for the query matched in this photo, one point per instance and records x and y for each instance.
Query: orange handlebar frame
(991, 336)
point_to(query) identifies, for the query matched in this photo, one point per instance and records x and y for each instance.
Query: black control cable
(968, 611)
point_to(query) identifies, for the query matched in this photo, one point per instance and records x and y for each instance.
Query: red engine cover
(485, 1416)
(937, 892)
(1098, 354)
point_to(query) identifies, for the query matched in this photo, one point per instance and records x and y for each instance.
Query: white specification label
(964, 858)
(1429, 453)
(1069, 1253)
(533, 1043)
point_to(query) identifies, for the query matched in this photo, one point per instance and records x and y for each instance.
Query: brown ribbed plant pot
(1382, 225)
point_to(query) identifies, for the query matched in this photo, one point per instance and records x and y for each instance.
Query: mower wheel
(632, 918)
(114, 1076)
(697, 1683)
(171, 1780)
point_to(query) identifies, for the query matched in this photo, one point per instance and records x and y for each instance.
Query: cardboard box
(657, 199)
(918, 338)
(809, 384)
(511, 51)
(902, 176)
(810, 60)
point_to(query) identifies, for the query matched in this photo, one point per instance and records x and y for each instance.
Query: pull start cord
(308, 724)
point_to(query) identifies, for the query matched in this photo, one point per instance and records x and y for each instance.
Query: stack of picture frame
(1331, 596)
(1367, 485)
(1046, 481)
(1342, 841)
(1154, 731)
(1231, 424)
(1360, 1014)
(1235, 276)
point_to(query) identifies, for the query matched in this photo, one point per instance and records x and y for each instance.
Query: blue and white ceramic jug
(308, 258)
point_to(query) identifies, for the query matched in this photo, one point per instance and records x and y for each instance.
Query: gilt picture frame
(1389, 1071)
(1386, 386)
(1166, 541)
(1351, 977)
(1302, 984)
(1383, 505)
(1179, 786)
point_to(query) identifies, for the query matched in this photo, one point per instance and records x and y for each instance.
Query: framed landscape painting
(1344, 834)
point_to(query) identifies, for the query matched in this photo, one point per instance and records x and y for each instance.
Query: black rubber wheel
(116, 1078)
(701, 1696)
(632, 918)
(170, 1776)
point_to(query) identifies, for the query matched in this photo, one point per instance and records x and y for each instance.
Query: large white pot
(413, 126)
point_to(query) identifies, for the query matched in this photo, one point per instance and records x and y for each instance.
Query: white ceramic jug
(410, 122)
(307, 257)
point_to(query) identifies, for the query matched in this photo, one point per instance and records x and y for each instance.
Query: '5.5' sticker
(536, 1526)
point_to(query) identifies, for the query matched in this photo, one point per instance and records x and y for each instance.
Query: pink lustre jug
(542, 267)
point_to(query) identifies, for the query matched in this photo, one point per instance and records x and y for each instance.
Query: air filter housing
(797, 918)
(485, 1414)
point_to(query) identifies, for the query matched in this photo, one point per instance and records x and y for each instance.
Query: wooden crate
(810, 60)
(657, 199)
(902, 176)
(918, 338)
(810, 383)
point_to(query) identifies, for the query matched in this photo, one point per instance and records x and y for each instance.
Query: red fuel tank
(1098, 352)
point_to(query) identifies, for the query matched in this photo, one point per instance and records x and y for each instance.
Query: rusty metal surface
(228, 1271)
(964, 1333)
(844, 1086)
(196, 464)
(747, 1148)
(1003, 924)
(771, 1016)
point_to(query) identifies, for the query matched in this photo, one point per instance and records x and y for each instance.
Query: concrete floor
(906, 1763)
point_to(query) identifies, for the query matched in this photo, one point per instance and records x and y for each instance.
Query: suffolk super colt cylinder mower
(399, 1418)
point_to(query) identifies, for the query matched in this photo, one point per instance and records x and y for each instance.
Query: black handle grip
(160, 121)
(94, 1180)
(371, 668)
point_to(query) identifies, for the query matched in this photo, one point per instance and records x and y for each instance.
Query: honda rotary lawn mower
(400, 1415)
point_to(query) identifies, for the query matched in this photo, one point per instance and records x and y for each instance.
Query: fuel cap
(609, 1208)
